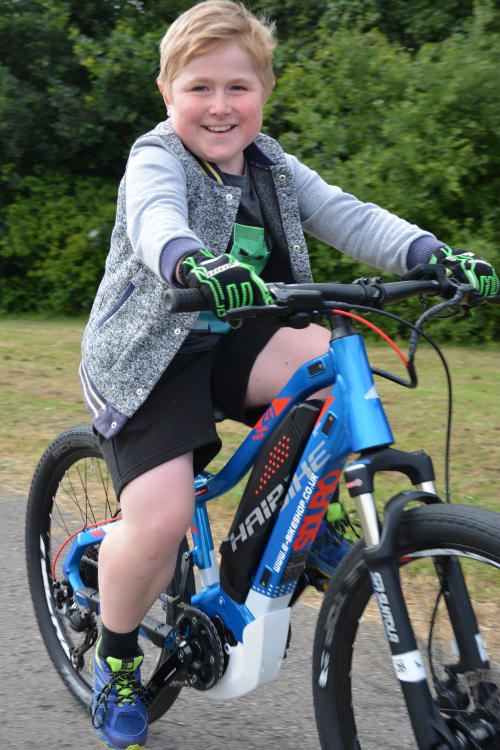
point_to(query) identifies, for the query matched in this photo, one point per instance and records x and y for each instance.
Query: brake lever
(283, 310)
(263, 316)
(291, 298)
(249, 313)
(466, 297)
(473, 299)
(435, 272)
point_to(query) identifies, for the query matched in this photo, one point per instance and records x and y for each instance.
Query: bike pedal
(317, 580)
(322, 584)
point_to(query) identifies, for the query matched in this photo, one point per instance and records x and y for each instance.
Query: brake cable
(409, 363)
(413, 343)
(377, 330)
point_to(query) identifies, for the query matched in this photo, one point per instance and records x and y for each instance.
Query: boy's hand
(467, 268)
(224, 281)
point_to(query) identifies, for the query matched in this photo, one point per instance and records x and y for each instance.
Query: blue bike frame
(351, 420)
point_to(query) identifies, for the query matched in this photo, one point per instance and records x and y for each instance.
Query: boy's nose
(219, 104)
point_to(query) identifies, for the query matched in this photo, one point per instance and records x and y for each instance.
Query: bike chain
(195, 627)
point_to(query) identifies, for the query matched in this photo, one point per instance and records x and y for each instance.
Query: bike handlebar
(310, 297)
(185, 300)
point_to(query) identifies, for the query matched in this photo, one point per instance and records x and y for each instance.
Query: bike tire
(355, 690)
(71, 489)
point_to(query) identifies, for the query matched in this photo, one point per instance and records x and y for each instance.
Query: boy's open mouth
(218, 128)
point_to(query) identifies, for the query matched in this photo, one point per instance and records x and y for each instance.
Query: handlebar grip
(185, 300)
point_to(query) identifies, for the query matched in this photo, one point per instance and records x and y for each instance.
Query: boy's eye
(203, 87)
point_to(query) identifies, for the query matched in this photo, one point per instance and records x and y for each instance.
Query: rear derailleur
(79, 621)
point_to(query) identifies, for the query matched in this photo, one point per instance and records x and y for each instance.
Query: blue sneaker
(119, 714)
(332, 542)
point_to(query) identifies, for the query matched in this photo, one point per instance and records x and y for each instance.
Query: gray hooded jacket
(130, 338)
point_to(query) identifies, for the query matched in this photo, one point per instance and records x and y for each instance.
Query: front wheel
(72, 491)
(357, 700)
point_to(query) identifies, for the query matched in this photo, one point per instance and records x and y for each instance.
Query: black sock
(119, 645)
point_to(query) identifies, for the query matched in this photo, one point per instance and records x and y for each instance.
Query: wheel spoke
(83, 498)
(355, 687)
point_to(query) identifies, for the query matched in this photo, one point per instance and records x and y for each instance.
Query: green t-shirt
(252, 243)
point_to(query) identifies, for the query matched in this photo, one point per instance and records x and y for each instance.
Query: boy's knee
(160, 503)
(160, 533)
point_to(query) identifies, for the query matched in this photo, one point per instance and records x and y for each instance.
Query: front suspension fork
(381, 555)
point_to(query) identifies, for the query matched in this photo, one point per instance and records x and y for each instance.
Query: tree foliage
(408, 24)
(417, 134)
(396, 102)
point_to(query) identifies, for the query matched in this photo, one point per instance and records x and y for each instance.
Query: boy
(203, 184)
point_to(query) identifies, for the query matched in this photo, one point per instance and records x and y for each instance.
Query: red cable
(377, 330)
(92, 526)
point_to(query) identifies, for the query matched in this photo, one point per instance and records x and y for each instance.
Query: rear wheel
(72, 491)
(354, 686)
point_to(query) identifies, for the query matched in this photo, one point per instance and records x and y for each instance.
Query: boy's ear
(268, 92)
(163, 94)
(273, 85)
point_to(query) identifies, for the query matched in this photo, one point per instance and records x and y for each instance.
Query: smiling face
(215, 104)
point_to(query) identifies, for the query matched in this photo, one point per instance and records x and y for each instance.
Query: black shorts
(178, 415)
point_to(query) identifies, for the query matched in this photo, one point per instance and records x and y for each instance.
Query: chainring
(198, 630)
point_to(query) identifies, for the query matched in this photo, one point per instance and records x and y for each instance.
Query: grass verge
(40, 397)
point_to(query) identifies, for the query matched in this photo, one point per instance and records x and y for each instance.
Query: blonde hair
(209, 24)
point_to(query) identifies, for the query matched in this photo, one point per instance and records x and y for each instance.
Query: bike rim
(460, 697)
(81, 497)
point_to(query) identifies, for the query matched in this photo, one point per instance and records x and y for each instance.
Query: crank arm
(170, 669)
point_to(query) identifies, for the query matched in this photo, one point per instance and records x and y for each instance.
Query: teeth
(218, 128)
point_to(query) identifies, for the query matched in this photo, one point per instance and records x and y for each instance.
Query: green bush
(55, 242)
(416, 133)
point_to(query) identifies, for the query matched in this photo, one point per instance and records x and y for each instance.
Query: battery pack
(263, 497)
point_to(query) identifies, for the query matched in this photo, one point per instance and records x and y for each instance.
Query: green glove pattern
(467, 268)
(225, 282)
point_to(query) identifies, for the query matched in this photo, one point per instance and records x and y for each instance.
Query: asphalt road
(36, 710)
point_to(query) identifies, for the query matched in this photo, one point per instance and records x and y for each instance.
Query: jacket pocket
(121, 301)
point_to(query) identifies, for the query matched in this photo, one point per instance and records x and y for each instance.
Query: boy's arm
(377, 237)
(157, 220)
(364, 231)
